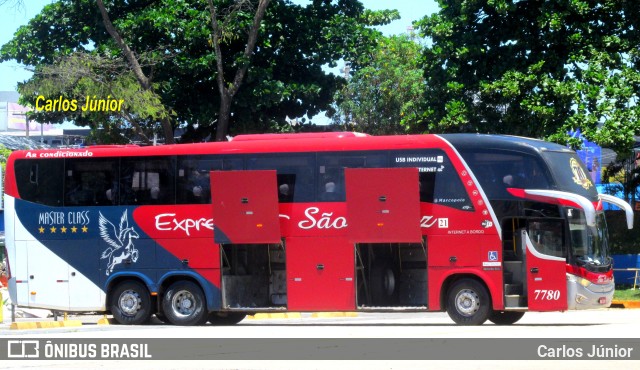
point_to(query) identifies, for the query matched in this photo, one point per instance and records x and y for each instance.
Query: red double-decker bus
(482, 226)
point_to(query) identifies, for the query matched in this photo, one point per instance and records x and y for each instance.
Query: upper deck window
(571, 174)
(498, 170)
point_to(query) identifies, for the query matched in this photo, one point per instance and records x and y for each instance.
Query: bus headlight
(576, 279)
(584, 282)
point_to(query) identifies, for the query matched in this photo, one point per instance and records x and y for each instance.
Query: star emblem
(85, 229)
(74, 229)
(53, 229)
(63, 229)
(41, 230)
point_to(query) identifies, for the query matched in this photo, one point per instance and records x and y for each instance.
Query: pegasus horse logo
(120, 241)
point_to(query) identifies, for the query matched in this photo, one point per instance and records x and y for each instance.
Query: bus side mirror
(620, 203)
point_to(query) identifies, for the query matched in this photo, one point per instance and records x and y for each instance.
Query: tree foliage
(284, 78)
(536, 68)
(382, 97)
(85, 76)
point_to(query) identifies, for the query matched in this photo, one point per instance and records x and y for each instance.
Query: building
(16, 132)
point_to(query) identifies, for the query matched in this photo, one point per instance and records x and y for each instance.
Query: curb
(262, 316)
(30, 325)
(298, 315)
(44, 324)
(333, 314)
(625, 304)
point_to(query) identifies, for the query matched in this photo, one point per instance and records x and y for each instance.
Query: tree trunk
(143, 80)
(227, 93)
(224, 114)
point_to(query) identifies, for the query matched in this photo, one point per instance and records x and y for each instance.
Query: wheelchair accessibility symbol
(493, 255)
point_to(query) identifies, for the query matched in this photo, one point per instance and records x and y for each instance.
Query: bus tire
(505, 317)
(226, 318)
(468, 302)
(130, 303)
(184, 304)
(382, 284)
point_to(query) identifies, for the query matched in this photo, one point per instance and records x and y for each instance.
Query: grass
(627, 294)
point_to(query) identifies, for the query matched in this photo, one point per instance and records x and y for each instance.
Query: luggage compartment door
(245, 207)
(383, 205)
(320, 274)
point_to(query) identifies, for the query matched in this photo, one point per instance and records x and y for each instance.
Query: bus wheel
(183, 304)
(468, 302)
(226, 318)
(382, 284)
(505, 317)
(131, 303)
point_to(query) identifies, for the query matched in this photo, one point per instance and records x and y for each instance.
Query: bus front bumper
(583, 294)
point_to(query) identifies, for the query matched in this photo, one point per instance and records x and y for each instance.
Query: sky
(12, 18)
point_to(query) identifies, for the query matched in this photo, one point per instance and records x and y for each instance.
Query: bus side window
(439, 180)
(40, 180)
(427, 186)
(450, 191)
(147, 181)
(193, 181)
(33, 174)
(294, 175)
(88, 181)
(331, 186)
(499, 170)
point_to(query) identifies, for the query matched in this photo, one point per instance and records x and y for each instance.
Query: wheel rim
(467, 302)
(130, 302)
(183, 303)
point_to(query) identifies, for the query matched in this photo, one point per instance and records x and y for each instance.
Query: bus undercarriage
(387, 276)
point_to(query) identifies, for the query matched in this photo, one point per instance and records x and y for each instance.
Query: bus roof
(305, 142)
(470, 142)
(305, 135)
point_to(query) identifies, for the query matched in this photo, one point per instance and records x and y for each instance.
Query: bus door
(245, 207)
(545, 266)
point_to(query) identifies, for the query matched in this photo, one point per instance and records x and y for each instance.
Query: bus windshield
(589, 244)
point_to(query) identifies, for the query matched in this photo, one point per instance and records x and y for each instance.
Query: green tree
(4, 155)
(84, 76)
(284, 76)
(382, 96)
(536, 68)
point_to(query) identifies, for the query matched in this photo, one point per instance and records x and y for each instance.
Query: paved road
(620, 324)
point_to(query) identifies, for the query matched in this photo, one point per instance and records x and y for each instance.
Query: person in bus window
(329, 194)
(197, 194)
(154, 195)
(514, 178)
(284, 194)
